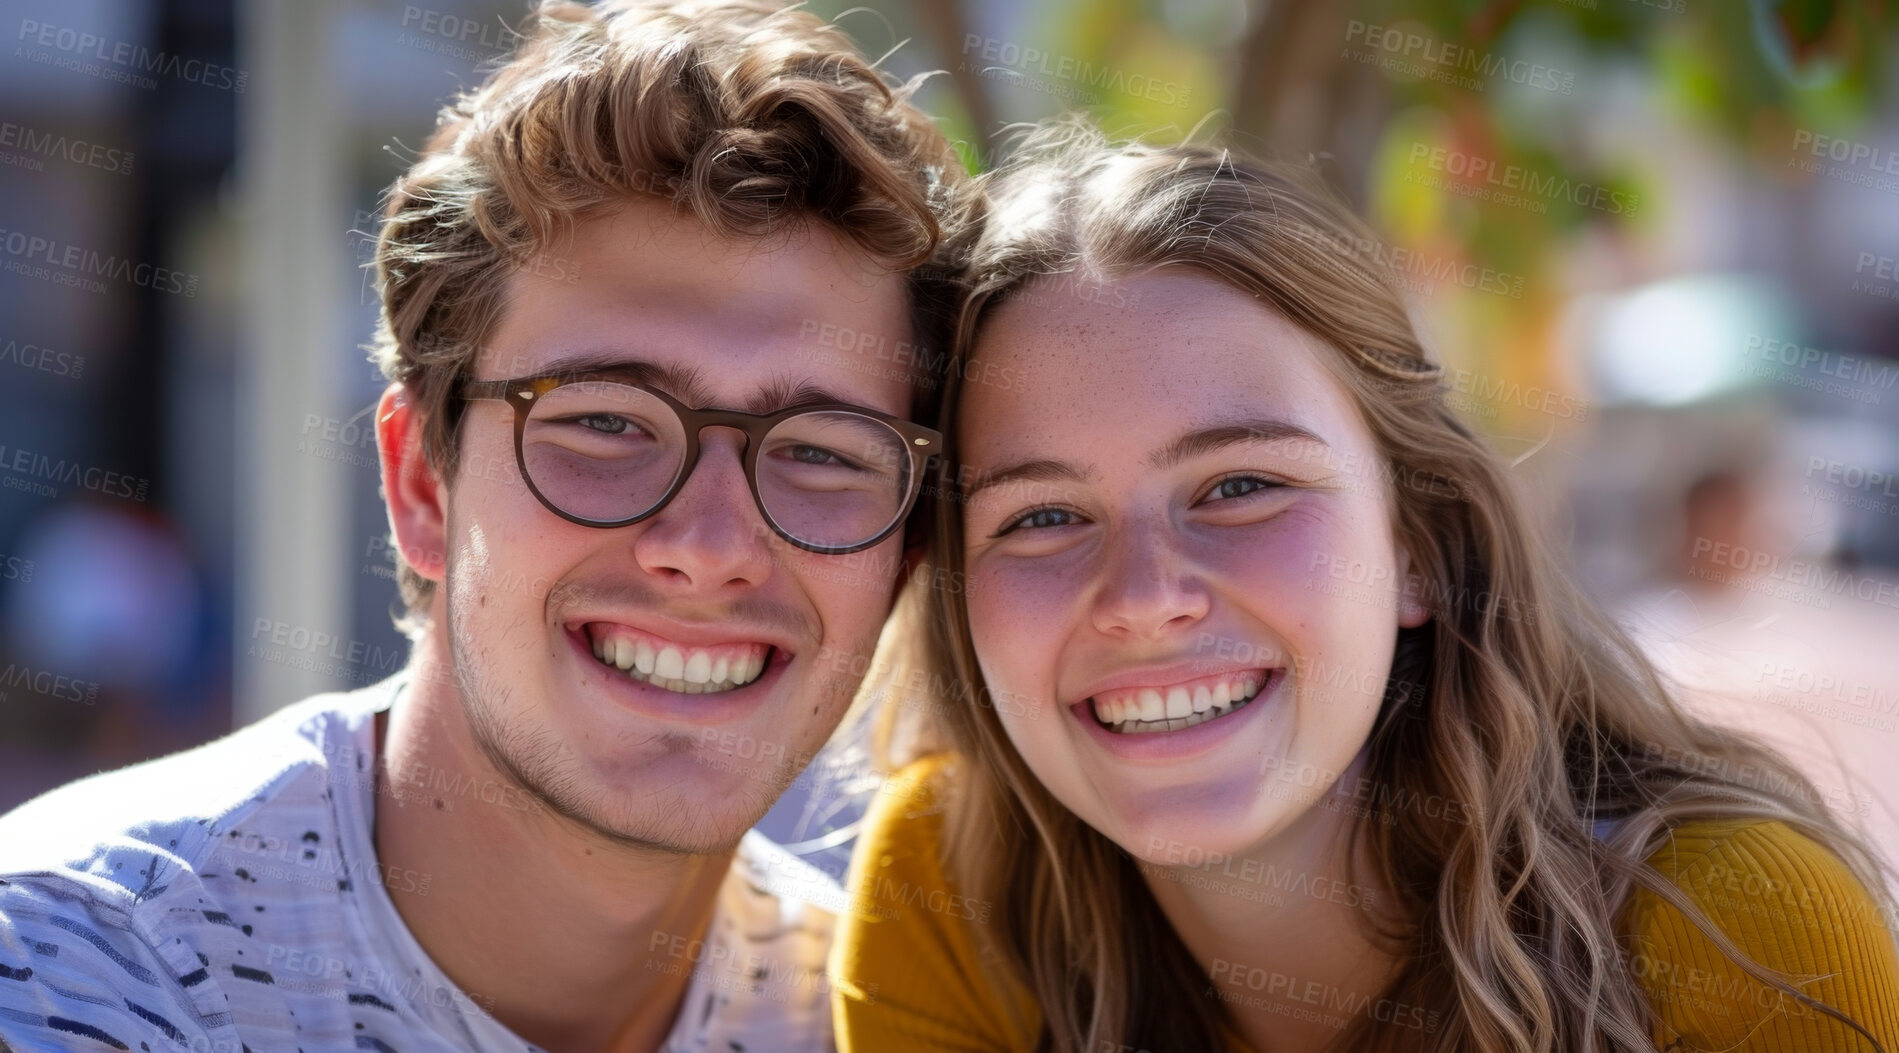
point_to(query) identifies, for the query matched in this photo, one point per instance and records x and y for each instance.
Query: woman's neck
(1285, 933)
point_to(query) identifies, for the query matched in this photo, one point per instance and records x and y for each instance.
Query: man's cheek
(509, 554)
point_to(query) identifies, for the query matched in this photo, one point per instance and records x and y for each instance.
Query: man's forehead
(739, 315)
(647, 244)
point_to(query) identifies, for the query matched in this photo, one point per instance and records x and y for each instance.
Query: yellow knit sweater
(909, 972)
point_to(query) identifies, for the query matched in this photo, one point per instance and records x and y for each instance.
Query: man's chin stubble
(543, 769)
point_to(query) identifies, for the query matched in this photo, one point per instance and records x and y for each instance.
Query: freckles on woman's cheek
(989, 618)
(1020, 600)
(1287, 556)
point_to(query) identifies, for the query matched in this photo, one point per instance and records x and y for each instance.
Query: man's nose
(710, 535)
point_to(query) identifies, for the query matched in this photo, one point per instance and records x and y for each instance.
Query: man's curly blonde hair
(750, 116)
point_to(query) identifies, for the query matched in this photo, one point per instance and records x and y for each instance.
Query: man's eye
(1038, 519)
(604, 423)
(814, 455)
(1239, 486)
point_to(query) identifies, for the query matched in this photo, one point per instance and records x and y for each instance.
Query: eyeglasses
(607, 451)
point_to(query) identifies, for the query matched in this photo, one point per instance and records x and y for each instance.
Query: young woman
(1254, 716)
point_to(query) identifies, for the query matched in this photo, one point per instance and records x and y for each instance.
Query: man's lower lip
(661, 704)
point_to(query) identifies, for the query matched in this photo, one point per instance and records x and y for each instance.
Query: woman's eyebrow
(1039, 470)
(1198, 441)
(1252, 429)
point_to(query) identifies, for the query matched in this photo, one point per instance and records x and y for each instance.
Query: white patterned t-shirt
(229, 898)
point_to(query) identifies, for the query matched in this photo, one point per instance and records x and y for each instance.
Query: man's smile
(675, 666)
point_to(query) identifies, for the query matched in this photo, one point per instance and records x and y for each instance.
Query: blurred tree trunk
(943, 21)
(1296, 94)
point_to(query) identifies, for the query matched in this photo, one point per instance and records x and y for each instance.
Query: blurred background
(1656, 243)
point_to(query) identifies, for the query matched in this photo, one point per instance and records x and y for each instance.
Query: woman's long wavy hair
(1517, 698)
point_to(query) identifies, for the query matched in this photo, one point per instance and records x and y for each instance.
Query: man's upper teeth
(693, 670)
(1206, 698)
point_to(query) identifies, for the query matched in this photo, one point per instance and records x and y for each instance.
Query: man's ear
(417, 498)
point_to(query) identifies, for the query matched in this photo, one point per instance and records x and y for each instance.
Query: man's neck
(562, 934)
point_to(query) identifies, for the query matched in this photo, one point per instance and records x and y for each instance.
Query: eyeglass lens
(607, 452)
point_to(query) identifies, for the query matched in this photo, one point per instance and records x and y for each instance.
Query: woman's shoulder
(911, 969)
(904, 818)
(1768, 871)
(1787, 902)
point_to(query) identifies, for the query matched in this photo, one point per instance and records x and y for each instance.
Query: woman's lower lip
(659, 704)
(1170, 746)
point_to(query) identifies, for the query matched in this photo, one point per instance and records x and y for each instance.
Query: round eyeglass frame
(523, 393)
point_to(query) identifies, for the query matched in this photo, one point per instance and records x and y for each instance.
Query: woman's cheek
(1018, 616)
(1277, 567)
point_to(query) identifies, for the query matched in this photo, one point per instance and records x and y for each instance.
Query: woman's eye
(1038, 519)
(1239, 486)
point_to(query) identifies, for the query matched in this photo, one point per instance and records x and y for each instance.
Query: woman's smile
(1161, 708)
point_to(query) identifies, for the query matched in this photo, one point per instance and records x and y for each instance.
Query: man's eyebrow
(1041, 470)
(687, 383)
(784, 392)
(1206, 440)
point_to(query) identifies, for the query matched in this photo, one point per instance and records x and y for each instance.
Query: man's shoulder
(128, 899)
(758, 979)
(103, 830)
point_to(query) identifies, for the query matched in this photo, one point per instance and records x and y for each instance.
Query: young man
(648, 457)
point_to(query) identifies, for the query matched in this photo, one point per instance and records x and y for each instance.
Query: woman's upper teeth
(676, 667)
(1179, 701)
